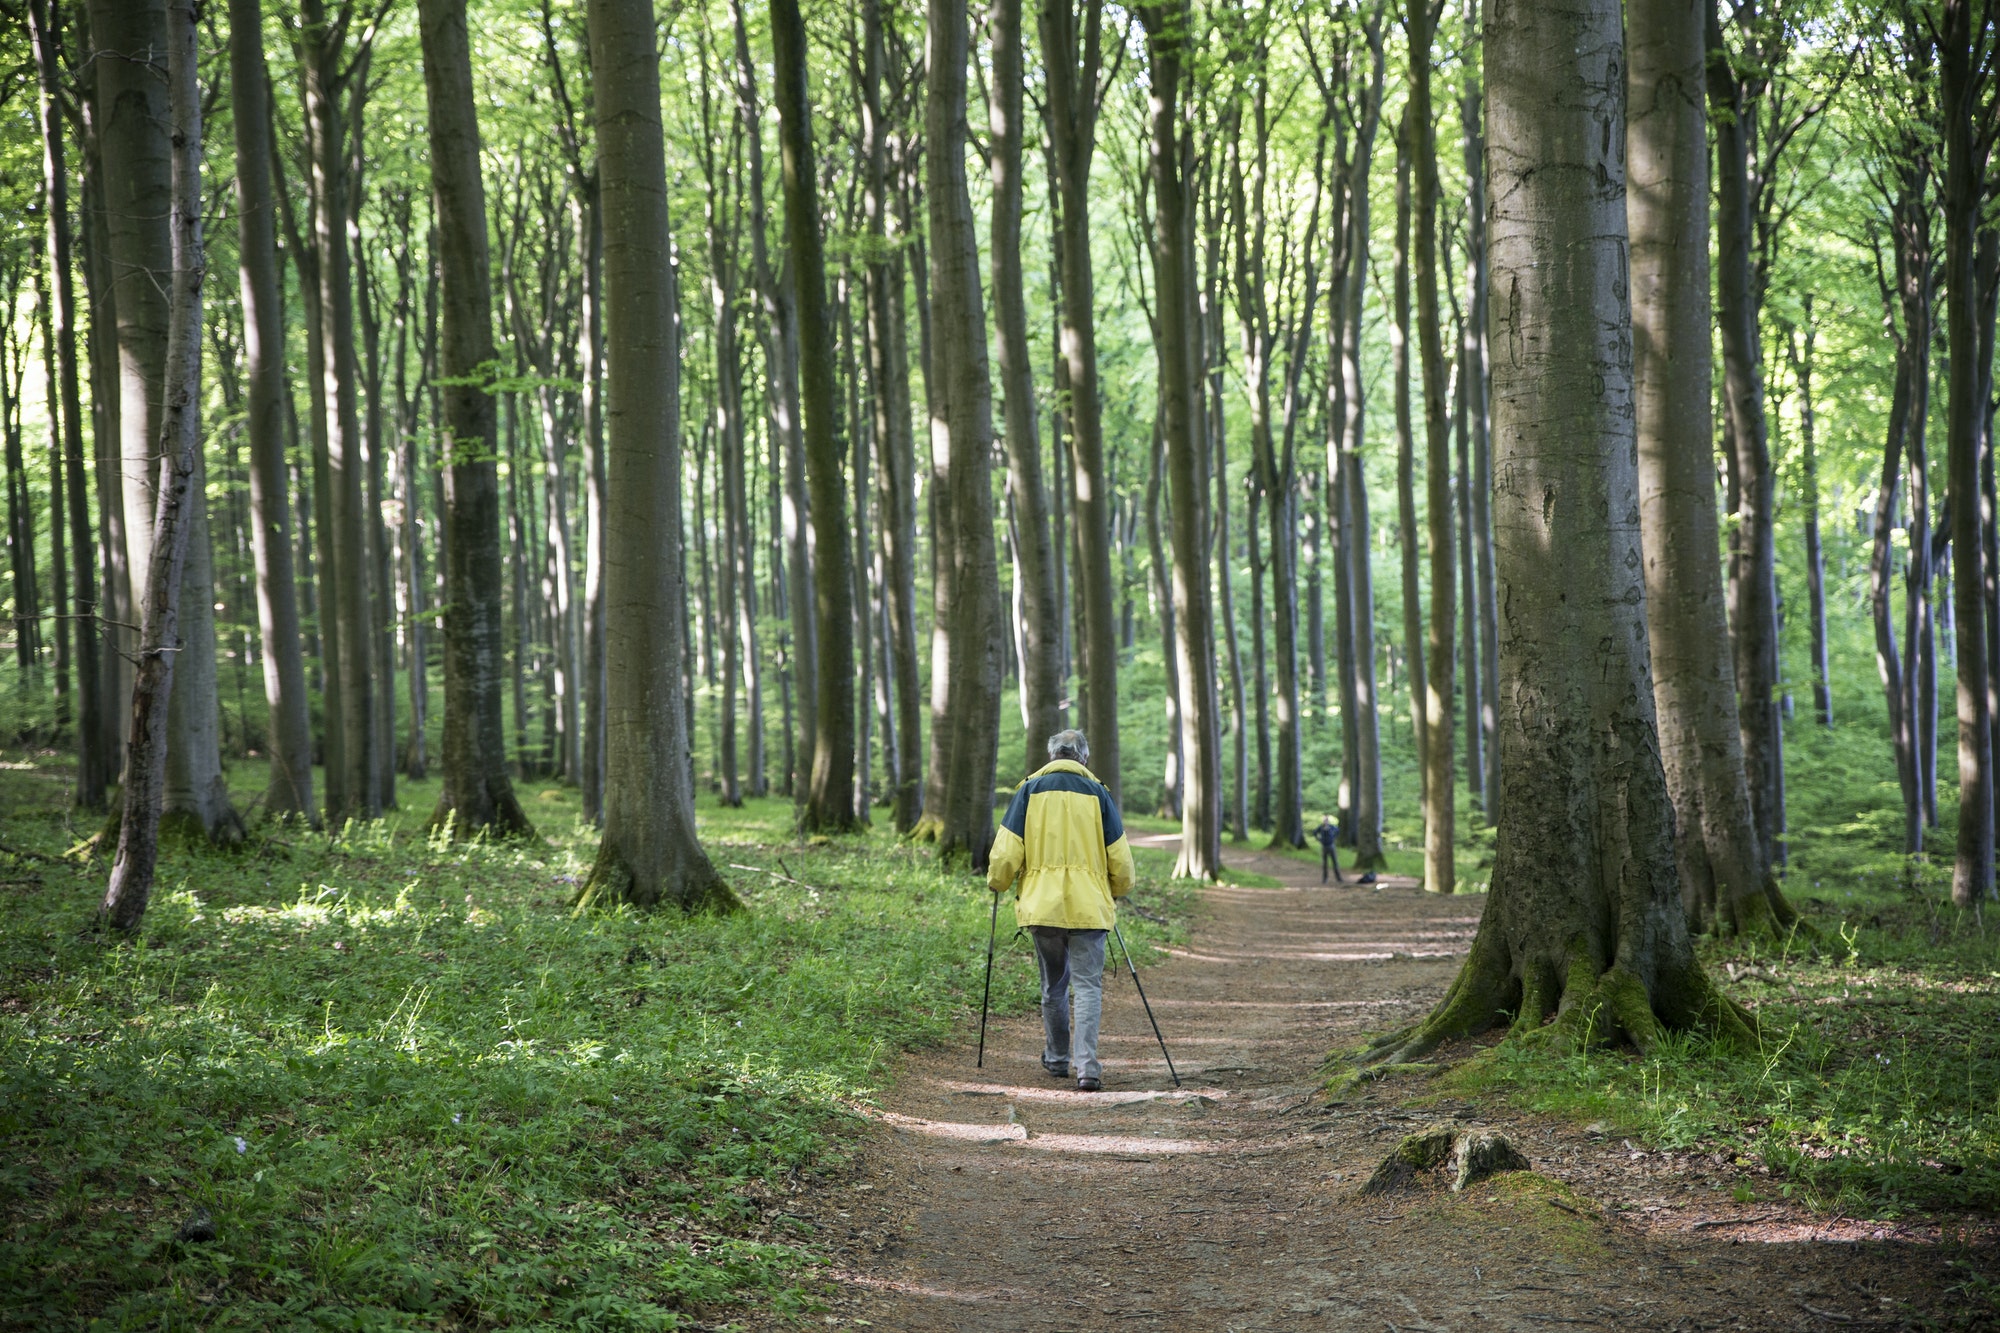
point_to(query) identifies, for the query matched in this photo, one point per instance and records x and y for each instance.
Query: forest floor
(996, 1198)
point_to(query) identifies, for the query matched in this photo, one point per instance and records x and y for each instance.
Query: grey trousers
(1071, 961)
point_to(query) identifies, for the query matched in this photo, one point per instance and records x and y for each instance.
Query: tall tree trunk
(327, 66)
(1478, 414)
(650, 854)
(961, 452)
(1802, 370)
(1187, 462)
(171, 529)
(591, 243)
(781, 347)
(1350, 415)
(830, 797)
(92, 768)
(1582, 921)
(138, 155)
(1041, 613)
(119, 614)
(1966, 67)
(1881, 575)
(1754, 611)
(728, 614)
(1260, 709)
(477, 796)
(1071, 57)
(1468, 625)
(895, 450)
(289, 732)
(1440, 873)
(1406, 471)
(1160, 576)
(1724, 879)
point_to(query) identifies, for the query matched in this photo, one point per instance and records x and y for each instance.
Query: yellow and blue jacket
(1064, 839)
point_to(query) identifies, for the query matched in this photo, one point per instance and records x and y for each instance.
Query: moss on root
(611, 883)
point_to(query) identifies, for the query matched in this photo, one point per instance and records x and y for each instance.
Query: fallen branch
(27, 855)
(1839, 1318)
(760, 870)
(1739, 1221)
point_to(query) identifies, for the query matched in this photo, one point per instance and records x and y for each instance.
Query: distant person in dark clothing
(1328, 834)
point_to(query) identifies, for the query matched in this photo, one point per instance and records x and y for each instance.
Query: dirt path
(997, 1199)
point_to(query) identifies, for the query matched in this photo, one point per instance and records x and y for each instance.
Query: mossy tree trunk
(1583, 925)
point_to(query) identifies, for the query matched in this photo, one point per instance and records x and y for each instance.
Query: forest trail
(998, 1199)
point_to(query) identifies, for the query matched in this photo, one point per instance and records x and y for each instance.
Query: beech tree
(1583, 928)
(650, 854)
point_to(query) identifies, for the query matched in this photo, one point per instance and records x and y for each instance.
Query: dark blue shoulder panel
(1015, 821)
(1017, 811)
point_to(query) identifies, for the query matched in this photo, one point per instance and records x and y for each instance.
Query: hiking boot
(1087, 1084)
(1059, 1069)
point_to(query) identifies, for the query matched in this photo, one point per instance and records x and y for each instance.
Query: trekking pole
(1123, 947)
(992, 927)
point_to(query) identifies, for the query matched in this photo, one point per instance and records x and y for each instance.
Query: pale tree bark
(92, 770)
(1072, 59)
(961, 461)
(1186, 446)
(345, 577)
(1754, 611)
(829, 805)
(1041, 614)
(137, 152)
(131, 881)
(781, 362)
(290, 794)
(1583, 922)
(1966, 58)
(895, 449)
(477, 796)
(1725, 883)
(650, 854)
(1440, 874)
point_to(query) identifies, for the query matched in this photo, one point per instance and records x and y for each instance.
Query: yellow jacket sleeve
(1003, 865)
(1118, 864)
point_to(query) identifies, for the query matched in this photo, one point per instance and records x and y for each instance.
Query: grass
(411, 1091)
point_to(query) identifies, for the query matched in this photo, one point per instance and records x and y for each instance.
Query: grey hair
(1069, 744)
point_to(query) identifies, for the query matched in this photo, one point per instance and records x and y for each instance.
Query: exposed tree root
(612, 883)
(1575, 1006)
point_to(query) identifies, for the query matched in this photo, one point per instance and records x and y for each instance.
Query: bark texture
(1583, 922)
(650, 854)
(131, 882)
(478, 796)
(1724, 879)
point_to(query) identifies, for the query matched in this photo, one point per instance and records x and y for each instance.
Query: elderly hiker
(1064, 840)
(1328, 836)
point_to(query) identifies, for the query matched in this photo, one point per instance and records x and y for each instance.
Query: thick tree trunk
(1440, 873)
(1966, 66)
(895, 450)
(1041, 613)
(961, 453)
(728, 615)
(170, 532)
(92, 770)
(137, 152)
(650, 854)
(1187, 459)
(1724, 879)
(477, 796)
(289, 733)
(591, 243)
(119, 642)
(1583, 921)
(1754, 608)
(829, 803)
(1071, 57)
(1260, 674)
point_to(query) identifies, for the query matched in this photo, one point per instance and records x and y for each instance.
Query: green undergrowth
(411, 1091)
(1876, 1089)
